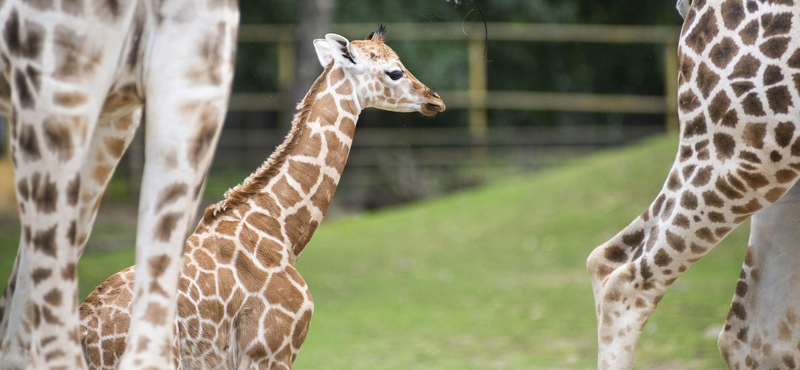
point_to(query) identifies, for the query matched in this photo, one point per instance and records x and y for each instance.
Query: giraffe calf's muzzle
(435, 105)
(430, 109)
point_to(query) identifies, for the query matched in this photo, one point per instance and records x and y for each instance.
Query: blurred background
(459, 242)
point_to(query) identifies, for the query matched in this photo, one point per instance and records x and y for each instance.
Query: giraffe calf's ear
(683, 7)
(323, 52)
(341, 50)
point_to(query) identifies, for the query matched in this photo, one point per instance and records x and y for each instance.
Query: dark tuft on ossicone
(377, 36)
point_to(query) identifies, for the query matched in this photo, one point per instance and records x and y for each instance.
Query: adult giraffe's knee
(598, 267)
(604, 260)
(595, 263)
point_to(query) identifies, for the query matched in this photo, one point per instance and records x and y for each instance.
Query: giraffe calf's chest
(236, 325)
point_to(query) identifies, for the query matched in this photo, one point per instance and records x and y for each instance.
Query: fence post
(6, 137)
(136, 158)
(478, 114)
(8, 203)
(285, 65)
(286, 75)
(671, 87)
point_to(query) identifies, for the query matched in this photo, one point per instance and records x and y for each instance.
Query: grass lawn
(491, 278)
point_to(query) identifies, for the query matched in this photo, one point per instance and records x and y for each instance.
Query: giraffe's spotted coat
(739, 104)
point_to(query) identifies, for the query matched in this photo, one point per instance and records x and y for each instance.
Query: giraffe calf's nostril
(433, 93)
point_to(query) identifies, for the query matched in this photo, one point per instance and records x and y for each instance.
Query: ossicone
(377, 36)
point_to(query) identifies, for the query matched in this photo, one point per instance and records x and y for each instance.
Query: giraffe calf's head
(381, 80)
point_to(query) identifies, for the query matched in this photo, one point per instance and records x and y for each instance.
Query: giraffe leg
(187, 92)
(49, 145)
(175, 168)
(110, 140)
(632, 271)
(763, 325)
(739, 153)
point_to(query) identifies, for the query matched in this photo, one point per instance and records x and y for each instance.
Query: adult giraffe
(242, 304)
(762, 327)
(76, 78)
(739, 101)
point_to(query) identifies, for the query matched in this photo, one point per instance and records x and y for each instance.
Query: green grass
(493, 278)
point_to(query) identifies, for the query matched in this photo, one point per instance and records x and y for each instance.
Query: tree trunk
(315, 22)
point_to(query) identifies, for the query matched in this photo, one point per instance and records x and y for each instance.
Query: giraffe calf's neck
(295, 186)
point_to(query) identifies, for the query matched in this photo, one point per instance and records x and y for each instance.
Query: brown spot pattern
(166, 224)
(58, 137)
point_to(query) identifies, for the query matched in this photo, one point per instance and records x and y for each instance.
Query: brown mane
(253, 184)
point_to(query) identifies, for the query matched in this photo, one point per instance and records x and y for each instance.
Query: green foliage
(540, 11)
(255, 68)
(578, 68)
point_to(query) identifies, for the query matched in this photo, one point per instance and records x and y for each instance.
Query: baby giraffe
(241, 302)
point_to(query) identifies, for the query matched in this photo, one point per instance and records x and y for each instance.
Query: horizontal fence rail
(511, 100)
(436, 146)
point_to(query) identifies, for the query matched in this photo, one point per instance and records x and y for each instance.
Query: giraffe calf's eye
(395, 75)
